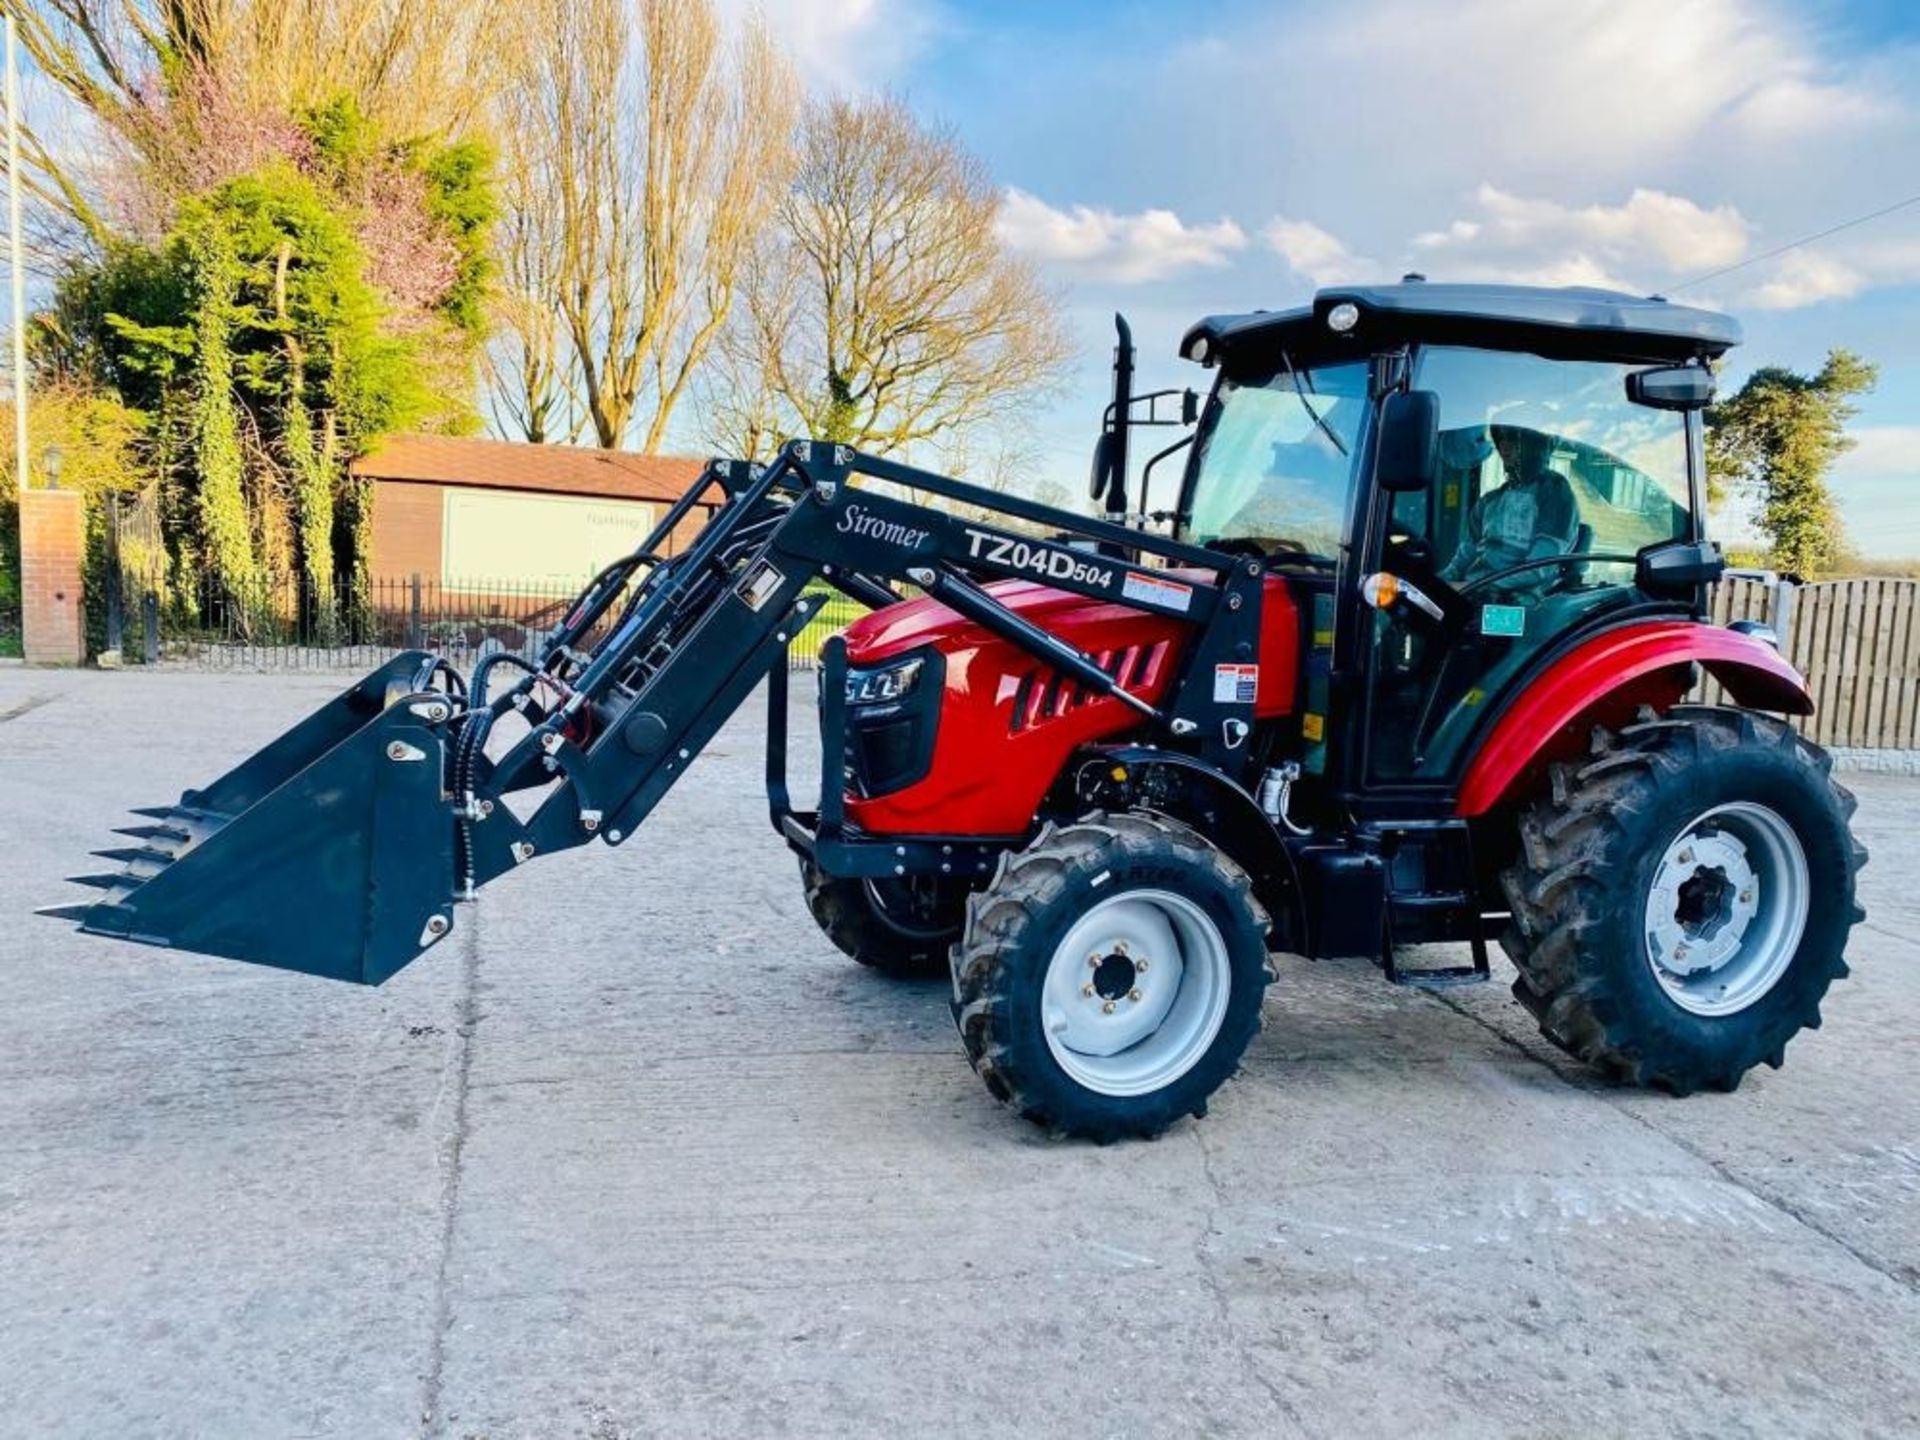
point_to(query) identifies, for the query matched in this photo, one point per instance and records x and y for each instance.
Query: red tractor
(1407, 665)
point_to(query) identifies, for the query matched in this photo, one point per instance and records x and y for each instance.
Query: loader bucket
(330, 851)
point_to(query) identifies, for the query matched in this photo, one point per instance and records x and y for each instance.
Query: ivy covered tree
(284, 320)
(1776, 439)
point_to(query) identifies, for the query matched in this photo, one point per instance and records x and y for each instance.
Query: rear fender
(1604, 681)
(1191, 791)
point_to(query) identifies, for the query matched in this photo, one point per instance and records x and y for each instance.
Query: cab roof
(1572, 322)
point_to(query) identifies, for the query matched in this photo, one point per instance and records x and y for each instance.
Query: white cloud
(1790, 107)
(1803, 277)
(854, 45)
(1881, 450)
(1611, 83)
(1105, 245)
(1876, 255)
(1315, 254)
(1543, 242)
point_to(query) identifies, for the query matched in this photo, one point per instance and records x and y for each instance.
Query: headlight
(885, 684)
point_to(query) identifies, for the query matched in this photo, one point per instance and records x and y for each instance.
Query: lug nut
(1141, 966)
(1087, 990)
(1119, 947)
(1107, 1009)
(1093, 962)
(1134, 994)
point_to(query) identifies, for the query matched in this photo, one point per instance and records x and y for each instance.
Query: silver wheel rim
(1136, 992)
(1727, 909)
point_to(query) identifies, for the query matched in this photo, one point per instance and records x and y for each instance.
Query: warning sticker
(1152, 590)
(1313, 727)
(759, 586)
(1235, 684)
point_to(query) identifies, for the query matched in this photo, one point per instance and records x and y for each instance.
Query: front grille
(1045, 694)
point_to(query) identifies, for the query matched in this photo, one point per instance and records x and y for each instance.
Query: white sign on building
(496, 535)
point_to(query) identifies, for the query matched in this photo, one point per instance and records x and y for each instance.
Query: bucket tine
(64, 912)
(136, 855)
(153, 832)
(154, 812)
(116, 881)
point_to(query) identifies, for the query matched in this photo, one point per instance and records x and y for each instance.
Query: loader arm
(342, 848)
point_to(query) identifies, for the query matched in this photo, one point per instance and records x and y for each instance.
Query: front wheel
(901, 928)
(1682, 901)
(1109, 979)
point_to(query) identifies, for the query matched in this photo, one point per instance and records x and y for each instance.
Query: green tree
(328, 298)
(1777, 439)
(215, 429)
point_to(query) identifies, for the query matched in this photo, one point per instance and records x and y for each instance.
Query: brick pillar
(52, 547)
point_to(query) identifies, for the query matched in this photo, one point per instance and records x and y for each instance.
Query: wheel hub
(1113, 974)
(1135, 992)
(1727, 907)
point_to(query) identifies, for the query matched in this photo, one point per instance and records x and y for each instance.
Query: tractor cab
(1461, 482)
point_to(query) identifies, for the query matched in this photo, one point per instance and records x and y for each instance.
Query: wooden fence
(1858, 644)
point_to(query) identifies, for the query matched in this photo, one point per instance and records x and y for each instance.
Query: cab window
(1550, 482)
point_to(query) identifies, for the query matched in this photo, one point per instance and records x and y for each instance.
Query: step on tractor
(1402, 661)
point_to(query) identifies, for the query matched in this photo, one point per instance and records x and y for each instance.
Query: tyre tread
(1555, 885)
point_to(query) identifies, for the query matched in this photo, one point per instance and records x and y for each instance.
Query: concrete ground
(637, 1153)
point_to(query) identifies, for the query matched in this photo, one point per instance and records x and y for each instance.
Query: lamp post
(19, 267)
(50, 462)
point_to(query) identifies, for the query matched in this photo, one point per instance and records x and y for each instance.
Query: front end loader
(1408, 664)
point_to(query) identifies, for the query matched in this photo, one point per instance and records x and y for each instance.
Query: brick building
(467, 512)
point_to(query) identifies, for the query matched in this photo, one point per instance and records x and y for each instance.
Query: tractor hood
(911, 624)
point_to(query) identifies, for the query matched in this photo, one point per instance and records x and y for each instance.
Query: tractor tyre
(1682, 899)
(1111, 976)
(900, 928)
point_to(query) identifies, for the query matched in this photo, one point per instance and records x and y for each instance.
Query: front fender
(1192, 791)
(1605, 679)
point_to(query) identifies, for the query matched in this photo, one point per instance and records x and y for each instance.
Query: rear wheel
(1111, 976)
(899, 927)
(1682, 901)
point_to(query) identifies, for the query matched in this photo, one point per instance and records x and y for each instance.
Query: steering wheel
(1274, 549)
(1581, 557)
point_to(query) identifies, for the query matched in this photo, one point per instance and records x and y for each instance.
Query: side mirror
(1409, 441)
(1672, 387)
(1189, 407)
(1677, 566)
(1102, 465)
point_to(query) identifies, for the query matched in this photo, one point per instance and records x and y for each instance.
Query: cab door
(1550, 481)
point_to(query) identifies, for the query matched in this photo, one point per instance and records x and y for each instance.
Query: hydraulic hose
(466, 751)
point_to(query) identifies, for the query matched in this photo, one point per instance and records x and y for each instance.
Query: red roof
(513, 465)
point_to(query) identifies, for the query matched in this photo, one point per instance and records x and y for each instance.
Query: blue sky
(1171, 160)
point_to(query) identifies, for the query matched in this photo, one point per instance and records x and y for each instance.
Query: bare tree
(426, 66)
(531, 387)
(657, 145)
(884, 310)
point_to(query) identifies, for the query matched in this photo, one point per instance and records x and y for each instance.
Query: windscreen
(1274, 459)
